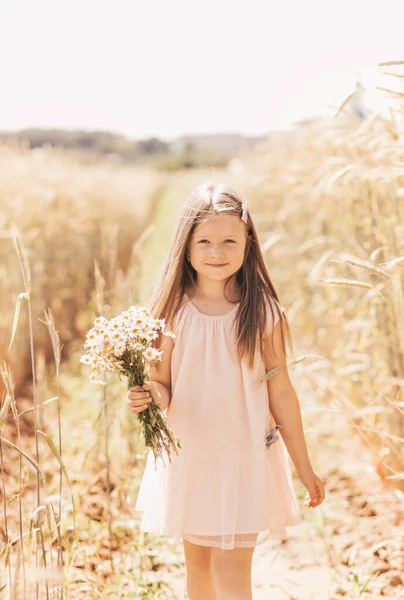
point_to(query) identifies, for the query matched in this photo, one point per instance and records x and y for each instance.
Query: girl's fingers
(139, 405)
(138, 395)
(138, 402)
(141, 402)
(315, 495)
(139, 388)
(139, 409)
(320, 489)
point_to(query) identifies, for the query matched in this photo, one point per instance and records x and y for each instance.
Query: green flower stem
(154, 428)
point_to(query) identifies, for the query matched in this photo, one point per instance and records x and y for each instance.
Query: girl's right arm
(158, 387)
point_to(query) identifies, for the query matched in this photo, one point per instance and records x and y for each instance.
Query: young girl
(230, 486)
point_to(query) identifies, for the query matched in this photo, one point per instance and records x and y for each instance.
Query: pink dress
(226, 488)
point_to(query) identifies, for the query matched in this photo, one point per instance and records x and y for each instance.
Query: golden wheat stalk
(362, 264)
(295, 361)
(344, 103)
(4, 413)
(100, 285)
(26, 274)
(391, 63)
(271, 241)
(4, 410)
(341, 282)
(40, 473)
(394, 93)
(7, 376)
(392, 263)
(57, 354)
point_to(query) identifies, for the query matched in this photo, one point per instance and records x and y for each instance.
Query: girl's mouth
(216, 266)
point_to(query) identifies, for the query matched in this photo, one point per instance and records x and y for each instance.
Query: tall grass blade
(20, 299)
(55, 452)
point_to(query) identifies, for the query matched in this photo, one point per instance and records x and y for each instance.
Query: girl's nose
(216, 251)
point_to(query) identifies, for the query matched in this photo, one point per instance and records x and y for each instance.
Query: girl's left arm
(284, 404)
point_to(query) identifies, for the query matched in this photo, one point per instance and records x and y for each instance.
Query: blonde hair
(252, 279)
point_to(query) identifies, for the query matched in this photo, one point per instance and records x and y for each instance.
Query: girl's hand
(315, 488)
(139, 397)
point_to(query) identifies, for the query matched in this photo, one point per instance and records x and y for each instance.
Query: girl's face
(219, 241)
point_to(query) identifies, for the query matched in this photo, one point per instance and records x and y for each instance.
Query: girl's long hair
(252, 279)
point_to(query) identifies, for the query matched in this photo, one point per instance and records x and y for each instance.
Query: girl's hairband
(244, 213)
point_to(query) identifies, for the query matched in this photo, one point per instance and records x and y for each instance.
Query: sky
(168, 68)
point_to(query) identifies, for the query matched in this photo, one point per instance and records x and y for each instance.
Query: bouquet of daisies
(123, 345)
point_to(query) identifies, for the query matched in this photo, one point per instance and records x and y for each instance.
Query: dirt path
(356, 534)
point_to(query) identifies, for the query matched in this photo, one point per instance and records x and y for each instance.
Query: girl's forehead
(220, 224)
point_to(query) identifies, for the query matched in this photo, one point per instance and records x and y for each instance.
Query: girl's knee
(198, 574)
(232, 567)
(197, 558)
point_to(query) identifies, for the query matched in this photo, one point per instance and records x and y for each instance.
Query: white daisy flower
(139, 320)
(92, 339)
(116, 336)
(119, 349)
(152, 354)
(151, 335)
(93, 378)
(170, 334)
(100, 321)
(136, 346)
(160, 324)
(86, 359)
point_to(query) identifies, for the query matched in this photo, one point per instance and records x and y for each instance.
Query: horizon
(119, 133)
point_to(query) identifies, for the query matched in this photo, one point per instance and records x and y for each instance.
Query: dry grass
(68, 216)
(333, 192)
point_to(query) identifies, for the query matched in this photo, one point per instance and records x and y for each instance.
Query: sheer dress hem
(231, 501)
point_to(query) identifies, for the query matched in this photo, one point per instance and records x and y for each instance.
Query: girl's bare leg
(231, 573)
(199, 574)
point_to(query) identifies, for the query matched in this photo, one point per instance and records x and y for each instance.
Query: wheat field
(82, 240)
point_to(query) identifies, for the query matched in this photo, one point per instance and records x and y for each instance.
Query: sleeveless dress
(226, 488)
